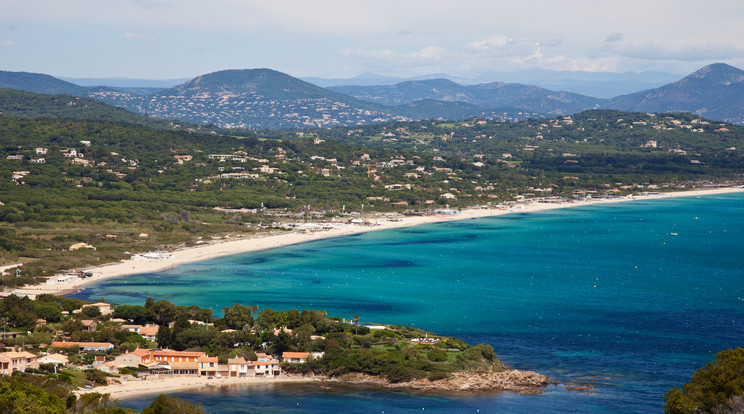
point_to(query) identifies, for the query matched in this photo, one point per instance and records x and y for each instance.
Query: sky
(169, 39)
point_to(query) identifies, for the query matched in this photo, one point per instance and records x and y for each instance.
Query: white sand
(172, 383)
(226, 248)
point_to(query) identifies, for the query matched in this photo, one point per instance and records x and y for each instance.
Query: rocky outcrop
(522, 382)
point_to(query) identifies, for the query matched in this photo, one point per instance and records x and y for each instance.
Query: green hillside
(39, 83)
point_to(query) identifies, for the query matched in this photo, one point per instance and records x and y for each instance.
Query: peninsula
(127, 350)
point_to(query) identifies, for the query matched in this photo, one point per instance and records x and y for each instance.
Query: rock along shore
(522, 382)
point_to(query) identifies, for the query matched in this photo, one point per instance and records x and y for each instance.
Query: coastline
(264, 242)
(182, 383)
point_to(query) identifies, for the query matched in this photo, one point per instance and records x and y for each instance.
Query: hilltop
(39, 83)
(251, 99)
(715, 91)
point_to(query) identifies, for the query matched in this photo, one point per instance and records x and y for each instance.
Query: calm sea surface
(631, 298)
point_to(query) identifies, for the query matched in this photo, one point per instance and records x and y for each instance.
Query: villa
(17, 361)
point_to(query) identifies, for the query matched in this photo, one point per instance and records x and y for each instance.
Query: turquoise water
(630, 298)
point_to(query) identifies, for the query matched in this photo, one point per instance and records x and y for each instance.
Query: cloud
(478, 56)
(614, 37)
(383, 57)
(554, 41)
(134, 36)
(8, 43)
(678, 50)
(501, 46)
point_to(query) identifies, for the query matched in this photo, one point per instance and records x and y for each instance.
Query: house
(41, 151)
(208, 366)
(149, 332)
(56, 359)
(267, 170)
(132, 328)
(239, 367)
(295, 357)
(266, 368)
(173, 368)
(78, 246)
(183, 158)
(11, 334)
(109, 367)
(104, 307)
(89, 325)
(130, 359)
(165, 361)
(85, 346)
(17, 361)
(170, 355)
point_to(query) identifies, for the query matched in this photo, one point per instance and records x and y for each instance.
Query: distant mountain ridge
(716, 90)
(485, 96)
(265, 98)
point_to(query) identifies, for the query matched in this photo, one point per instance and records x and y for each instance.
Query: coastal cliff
(522, 382)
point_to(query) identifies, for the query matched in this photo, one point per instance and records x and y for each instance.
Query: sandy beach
(242, 245)
(167, 383)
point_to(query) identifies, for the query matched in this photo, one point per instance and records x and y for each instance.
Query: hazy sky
(161, 39)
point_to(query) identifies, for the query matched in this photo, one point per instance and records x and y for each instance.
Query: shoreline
(265, 242)
(168, 384)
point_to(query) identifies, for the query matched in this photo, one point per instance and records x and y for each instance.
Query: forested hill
(21, 104)
(39, 83)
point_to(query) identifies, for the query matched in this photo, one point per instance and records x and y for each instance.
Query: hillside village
(247, 111)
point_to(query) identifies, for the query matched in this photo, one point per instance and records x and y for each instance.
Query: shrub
(437, 355)
(437, 375)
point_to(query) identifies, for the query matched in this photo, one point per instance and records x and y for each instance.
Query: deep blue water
(631, 298)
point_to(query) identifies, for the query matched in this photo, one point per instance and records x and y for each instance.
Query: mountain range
(599, 84)
(264, 98)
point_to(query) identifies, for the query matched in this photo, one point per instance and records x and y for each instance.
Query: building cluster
(247, 110)
(107, 358)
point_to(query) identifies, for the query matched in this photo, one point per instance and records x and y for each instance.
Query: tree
(238, 316)
(165, 404)
(712, 387)
(137, 314)
(356, 323)
(163, 338)
(164, 311)
(91, 311)
(282, 343)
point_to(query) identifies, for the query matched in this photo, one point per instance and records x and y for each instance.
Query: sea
(627, 298)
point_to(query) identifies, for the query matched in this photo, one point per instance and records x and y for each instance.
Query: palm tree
(356, 323)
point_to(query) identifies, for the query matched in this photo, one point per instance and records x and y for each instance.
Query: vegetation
(116, 188)
(23, 393)
(396, 353)
(718, 387)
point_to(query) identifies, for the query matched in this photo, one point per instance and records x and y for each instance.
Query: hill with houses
(257, 99)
